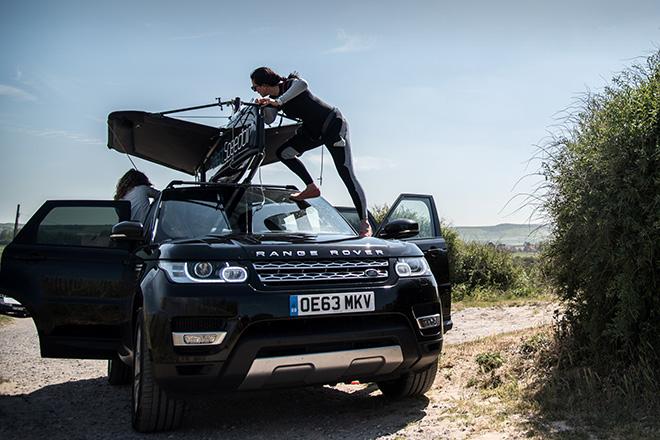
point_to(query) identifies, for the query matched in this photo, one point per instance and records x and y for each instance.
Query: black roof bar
(175, 183)
(235, 103)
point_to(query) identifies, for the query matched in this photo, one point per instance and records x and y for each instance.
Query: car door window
(86, 226)
(417, 210)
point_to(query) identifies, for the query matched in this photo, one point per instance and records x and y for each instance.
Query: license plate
(331, 303)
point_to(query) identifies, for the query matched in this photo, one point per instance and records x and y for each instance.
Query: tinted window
(191, 218)
(314, 217)
(351, 217)
(78, 226)
(196, 213)
(417, 210)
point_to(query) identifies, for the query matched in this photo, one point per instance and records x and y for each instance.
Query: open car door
(75, 281)
(421, 209)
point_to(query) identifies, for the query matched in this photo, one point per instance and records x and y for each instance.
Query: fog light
(430, 321)
(183, 339)
(199, 339)
(234, 274)
(402, 269)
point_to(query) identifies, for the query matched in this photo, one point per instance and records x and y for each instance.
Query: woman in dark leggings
(322, 124)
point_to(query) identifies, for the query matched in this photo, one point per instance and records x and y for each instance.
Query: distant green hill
(506, 233)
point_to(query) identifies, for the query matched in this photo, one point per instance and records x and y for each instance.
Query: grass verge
(496, 298)
(512, 383)
(4, 320)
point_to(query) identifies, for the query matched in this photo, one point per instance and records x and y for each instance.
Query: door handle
(436, 252)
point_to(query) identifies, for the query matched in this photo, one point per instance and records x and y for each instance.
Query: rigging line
(204, 117)
(321, 174)
(263, 193)
(122, 146)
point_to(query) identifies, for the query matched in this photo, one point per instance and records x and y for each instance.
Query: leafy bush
(489, 361)
(379, 212)
(477, 270)
(603, 196)
(483, 265)
(453, 248)
(6, 235)
(404, 211)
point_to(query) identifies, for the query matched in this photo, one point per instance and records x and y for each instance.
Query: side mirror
(127, 231)
(400, 228)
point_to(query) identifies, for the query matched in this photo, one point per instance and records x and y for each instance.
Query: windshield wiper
(289, 234)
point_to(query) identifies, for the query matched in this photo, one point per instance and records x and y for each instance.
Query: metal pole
(18, 213)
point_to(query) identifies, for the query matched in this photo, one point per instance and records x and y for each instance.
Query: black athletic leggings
(336, 139)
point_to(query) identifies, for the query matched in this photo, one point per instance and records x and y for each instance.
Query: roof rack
(179, 183)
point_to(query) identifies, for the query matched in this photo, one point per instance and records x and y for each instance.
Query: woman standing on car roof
(322, 124)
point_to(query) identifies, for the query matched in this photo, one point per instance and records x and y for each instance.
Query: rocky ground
(70, 399)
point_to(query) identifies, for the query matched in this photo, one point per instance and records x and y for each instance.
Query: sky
(448, 98)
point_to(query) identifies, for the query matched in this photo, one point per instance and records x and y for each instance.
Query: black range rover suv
(230, 286)
(216, 295)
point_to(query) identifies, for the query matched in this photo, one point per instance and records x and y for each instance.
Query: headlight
(412, 267)
(203, 272)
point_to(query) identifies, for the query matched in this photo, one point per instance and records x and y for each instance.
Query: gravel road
(70, 399)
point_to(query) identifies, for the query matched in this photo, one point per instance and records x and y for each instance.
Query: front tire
(410, 384)
(152, 409)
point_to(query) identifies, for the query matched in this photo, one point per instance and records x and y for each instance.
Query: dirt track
(70, 399)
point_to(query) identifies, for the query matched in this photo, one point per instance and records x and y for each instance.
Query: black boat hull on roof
(180, 145)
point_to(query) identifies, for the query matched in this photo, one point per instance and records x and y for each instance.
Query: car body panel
(78, 295)
(433, 246)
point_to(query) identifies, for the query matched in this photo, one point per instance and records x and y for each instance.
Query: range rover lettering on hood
(315, 253)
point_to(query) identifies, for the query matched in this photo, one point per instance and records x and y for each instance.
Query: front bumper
(264, 347)
(11, 308)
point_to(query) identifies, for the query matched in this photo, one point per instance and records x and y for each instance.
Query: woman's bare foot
(365, 229)
(309, 192)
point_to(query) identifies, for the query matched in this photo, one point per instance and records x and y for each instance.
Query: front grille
(282, 272)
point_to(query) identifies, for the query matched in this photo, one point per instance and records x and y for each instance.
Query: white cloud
(76, 137)
(373, 163)
(351, 43)
(196, 36)
(54, 134)
(16, 93)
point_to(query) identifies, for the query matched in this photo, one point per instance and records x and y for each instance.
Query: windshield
(194, 213)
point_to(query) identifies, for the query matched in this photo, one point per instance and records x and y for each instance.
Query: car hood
(180, 145)
(285, 247)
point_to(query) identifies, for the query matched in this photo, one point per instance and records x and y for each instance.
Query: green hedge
(483, 265)
(603, 180)
(482, 270)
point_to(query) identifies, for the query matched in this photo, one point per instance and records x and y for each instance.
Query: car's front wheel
(414, 383)
(153, 409)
